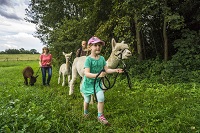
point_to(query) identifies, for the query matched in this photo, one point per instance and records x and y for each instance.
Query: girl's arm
(117, 70)
(92, 75)
(88, 74)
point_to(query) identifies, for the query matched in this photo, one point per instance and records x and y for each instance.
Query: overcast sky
(15, 32)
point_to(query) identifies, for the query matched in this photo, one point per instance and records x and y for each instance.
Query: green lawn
(148, 107)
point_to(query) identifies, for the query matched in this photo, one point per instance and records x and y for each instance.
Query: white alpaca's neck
(67, 63)
(112, 61)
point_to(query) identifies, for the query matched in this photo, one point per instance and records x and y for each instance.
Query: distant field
(18, 57)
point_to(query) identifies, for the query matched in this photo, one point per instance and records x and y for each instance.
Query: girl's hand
(103, 74)
(119, 70)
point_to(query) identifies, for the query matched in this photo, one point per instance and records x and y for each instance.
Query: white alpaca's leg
(63, 84)
(74, 75)
(81, 86)
(59, 77)
(81, 83)
(92, 99)
(69, 78)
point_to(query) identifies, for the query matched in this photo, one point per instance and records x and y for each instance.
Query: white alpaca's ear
(64, 53)
(113, 43)
(70, 53)
(122, 42)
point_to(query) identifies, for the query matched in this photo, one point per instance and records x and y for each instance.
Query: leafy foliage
(188, 50)
(146, 25)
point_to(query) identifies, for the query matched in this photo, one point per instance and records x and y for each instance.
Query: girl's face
(96, 48)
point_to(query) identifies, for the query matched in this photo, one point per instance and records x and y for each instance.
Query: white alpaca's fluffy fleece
(65, 69)
(119, 51)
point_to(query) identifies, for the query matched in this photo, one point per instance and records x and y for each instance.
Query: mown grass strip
(19, 57)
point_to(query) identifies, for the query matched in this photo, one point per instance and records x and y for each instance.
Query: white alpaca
(65, 69)
(119, 52)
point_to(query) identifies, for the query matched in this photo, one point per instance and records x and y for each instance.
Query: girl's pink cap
(94, 40)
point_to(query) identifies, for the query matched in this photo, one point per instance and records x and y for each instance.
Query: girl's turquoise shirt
(95, 67)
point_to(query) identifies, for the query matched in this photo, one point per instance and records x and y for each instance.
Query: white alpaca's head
(120, 50)
(67, 56)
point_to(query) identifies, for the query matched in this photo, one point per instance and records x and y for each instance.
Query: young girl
(45, 62)
(93, 65)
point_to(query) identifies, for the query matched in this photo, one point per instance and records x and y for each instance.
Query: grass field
(147, 108)
(18, 57)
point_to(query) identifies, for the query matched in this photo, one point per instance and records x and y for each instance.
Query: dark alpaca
(28, 73)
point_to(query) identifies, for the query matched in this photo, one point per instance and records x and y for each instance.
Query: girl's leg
(100, 106)
(49, 75)
(86, 104)
(43, 75)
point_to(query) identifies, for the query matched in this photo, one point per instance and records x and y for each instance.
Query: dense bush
(183, 67)
(163, 72)
(188, 48)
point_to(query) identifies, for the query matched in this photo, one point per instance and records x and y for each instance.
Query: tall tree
(49, 15)
(172, 20)
(151, 26)
(138, 10)
(165, 32)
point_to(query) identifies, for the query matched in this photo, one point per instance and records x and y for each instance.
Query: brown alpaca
(28, 73)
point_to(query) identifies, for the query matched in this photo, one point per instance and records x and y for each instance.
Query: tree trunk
(165, 37)
(138, 38)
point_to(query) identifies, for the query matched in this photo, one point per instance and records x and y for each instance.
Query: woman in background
(45, 62)
(82, 51)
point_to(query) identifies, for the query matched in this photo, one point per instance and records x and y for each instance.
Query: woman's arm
(78, 52)
(50, 62)
(40, 60)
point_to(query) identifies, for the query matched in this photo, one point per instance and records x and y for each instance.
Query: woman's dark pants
(44, 71)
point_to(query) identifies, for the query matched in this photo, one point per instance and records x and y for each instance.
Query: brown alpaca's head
(33, 80)
(120, 50)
